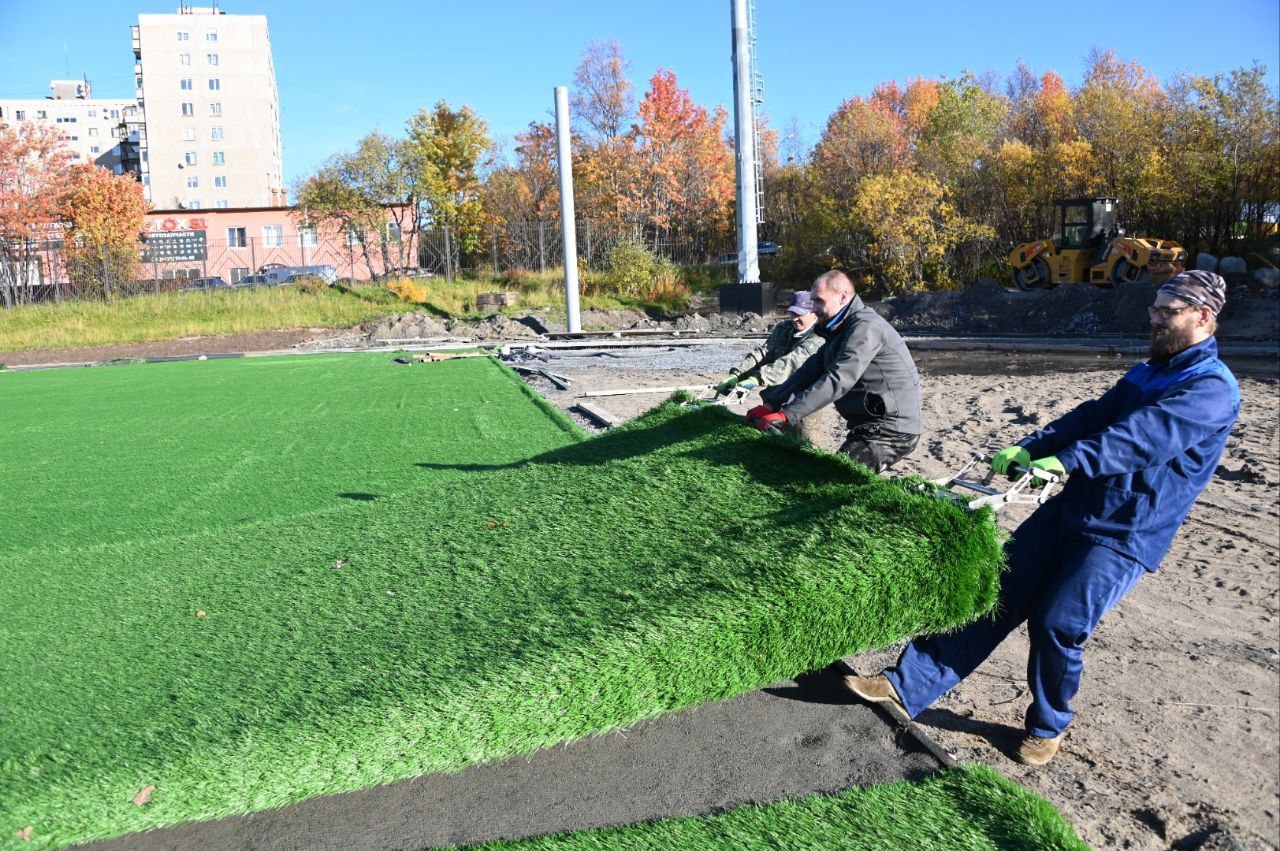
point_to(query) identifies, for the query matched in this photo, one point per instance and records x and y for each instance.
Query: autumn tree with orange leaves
(685, 175)
(104, 213)
(34, 181)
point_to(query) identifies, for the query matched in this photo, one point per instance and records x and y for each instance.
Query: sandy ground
(1176, 742)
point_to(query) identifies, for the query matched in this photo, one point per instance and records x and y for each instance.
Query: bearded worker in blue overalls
(1136, 459)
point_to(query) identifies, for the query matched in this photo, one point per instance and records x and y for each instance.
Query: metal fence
(47, 271)
(538, 246)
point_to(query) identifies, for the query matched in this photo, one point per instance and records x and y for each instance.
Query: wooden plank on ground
(598, 414)
(631, 391)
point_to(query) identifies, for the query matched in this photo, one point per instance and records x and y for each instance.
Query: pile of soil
(1251, 312)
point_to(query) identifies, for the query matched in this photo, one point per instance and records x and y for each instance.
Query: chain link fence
(43, 271)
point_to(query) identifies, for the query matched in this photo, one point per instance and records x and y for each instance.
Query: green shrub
(630, 269)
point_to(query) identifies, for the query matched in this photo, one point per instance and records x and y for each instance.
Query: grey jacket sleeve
(862, 344)
(782, 368)
(808, 373)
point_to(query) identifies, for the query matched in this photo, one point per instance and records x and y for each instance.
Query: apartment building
(206, 86)
(97, 131)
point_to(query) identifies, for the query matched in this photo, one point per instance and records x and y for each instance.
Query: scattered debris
(200, 613)
(339, 563)
(143, 796)
(433, 357)
(25, 833)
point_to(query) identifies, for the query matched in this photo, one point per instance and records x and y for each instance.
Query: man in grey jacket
(790, 344)
(864, 368)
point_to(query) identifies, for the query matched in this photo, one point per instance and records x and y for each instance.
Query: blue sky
(341, 76)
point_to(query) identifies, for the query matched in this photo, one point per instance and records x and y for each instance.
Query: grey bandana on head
(1204, 289)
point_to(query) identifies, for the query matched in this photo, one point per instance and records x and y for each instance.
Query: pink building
(234, 243)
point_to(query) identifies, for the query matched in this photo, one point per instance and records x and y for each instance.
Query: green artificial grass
(249, 582)
(970, 807)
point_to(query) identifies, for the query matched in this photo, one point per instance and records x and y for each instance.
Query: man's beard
(1169, 340)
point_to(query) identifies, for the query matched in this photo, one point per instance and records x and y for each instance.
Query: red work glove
(759, 411)
(777, 419)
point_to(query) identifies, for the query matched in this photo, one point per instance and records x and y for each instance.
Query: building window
(185, 84)
(215, 134)
(393, 232)
(193, 182)
(40, 113)
(236, 238)
(115, 113)
(221, 205)
(353, 238)
(184, 36)
(211, 35)
(93, 131)
(188, 134)
(93, 113)
(95, 149)
(213, 59)
(193, 204)
(189, 158)
(220, 182)
(272, 236)
(215, 108)
(20, 114)
(184, 58)
(307, 237)
(218, 158)
(238, 274)
(215, 85)
(188, 109)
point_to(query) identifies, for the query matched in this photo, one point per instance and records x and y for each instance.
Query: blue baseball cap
(801, 303)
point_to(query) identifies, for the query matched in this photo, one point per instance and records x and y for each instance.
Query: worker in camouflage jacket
(1137, 458)
(790, 344)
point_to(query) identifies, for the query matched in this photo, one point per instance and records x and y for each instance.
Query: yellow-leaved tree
(104, 213)
(912, 230)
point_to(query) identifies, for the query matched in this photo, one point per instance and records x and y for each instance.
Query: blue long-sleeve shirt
(1141, 453)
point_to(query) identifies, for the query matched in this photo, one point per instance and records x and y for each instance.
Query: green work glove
(1006, 458)
(725, 386)
(748, 384)
(1049, 465)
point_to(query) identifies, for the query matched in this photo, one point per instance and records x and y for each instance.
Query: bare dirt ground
(1176, 741)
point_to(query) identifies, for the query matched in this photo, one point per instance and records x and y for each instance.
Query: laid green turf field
(248, 582)
(971, 807)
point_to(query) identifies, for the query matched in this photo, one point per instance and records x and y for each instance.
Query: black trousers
(877, 447)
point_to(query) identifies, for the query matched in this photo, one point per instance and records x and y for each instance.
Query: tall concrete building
(206, 85)
(96, 131)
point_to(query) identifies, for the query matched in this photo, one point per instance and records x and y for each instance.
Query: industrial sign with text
(165, 246)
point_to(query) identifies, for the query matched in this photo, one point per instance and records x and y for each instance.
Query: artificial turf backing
(970, 807)
(239, 634)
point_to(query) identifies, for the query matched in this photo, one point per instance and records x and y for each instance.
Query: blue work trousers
(1061, 587)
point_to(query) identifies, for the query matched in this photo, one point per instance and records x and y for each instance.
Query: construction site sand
(1176, 741)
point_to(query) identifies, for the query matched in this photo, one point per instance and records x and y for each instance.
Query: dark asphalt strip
(796, 738)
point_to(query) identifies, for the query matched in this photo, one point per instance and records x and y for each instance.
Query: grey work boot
(1037, 750)
(876, 689)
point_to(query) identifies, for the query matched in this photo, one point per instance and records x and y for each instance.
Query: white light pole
(568, 224)
(744, 146)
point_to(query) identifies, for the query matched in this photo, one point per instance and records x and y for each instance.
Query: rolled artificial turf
(244, 583)
(970, 807)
